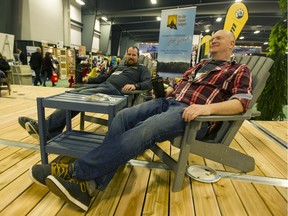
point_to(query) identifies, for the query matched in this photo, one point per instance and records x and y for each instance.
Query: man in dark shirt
(129, 77)
(35, 64)
(4, 66)
(21, 57)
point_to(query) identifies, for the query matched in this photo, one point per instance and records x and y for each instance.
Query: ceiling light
(241, 38)
(265, 43)
(104, 18)
(238, 0)
(158, 18)
(219, 19)
(81, 2)
(154, 1)
(256, 32)
(207, 30)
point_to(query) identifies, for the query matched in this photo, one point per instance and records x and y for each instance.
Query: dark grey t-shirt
(131, 75)
(122, 75)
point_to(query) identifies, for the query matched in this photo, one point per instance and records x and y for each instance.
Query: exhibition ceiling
(137, 18)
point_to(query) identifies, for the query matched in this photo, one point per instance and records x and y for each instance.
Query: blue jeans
(132, 131)
(56, 122)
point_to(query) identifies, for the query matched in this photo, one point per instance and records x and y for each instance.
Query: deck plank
(49, 205)
(134, 192)
(156, 201)
(107, 201)
(270, 195)
(181, 203)
(227, 197)
(204, 198)
(30, 201)
(278, 129)
(271, 146)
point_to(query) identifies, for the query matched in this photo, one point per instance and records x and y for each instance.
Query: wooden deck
(136, 190)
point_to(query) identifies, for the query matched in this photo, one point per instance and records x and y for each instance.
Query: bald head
(230, 35)
(222, 45)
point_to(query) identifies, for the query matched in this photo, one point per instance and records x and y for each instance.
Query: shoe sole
(57, 188)
(35, 180)
(31, 130)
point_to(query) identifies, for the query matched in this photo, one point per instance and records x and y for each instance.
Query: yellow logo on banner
(236, 18)
(172, 21)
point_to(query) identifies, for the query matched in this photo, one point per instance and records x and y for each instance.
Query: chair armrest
(133, 92)
(244, 116)
(255, 113)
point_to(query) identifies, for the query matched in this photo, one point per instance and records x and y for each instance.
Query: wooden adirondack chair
(133, 97)
(216, 147)
(5, 85)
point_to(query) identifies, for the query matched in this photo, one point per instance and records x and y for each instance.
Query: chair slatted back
(259, 67)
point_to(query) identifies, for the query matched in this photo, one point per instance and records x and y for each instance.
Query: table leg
(42, 130)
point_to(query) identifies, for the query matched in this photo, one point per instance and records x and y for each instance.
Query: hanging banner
(236, 18)
(175, 41)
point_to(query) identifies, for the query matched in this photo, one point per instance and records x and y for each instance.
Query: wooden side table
(71, 142)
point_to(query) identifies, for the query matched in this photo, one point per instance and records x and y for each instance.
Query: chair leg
(180, 168)
(9, 88)
(82, 122)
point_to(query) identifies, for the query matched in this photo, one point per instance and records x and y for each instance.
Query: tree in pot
(274, 96)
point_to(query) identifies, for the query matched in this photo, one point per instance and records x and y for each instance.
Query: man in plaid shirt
(215, 86)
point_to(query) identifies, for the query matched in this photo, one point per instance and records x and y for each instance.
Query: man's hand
(168, 91)
(129, 87)
(194, 110)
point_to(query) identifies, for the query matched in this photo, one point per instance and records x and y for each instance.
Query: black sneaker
(76, 192)
(39, 173)
(30, 125)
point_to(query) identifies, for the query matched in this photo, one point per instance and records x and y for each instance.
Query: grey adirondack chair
(216, 147)
(133, 97)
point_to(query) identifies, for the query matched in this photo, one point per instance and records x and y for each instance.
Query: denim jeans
(56, 122)
(132, 131)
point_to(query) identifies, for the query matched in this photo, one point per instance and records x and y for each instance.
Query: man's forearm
(229, 107)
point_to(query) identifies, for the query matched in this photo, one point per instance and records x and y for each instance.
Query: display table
(21, 74)
(71, 142)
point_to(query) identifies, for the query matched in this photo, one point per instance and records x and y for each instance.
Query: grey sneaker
(30, 125)
(39, 173)
(78, 193)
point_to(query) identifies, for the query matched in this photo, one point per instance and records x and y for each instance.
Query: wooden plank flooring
(277, 129)
(136, 190)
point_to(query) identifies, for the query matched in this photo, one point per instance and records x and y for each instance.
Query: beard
(130, 61)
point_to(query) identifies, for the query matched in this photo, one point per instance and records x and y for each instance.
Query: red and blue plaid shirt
(227, 81)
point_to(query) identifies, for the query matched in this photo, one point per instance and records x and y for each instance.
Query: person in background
(47, 68)
(35, 64)
(2, 75)
(21, 57)
(4, 66)
(128, 77)
(213, 86)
